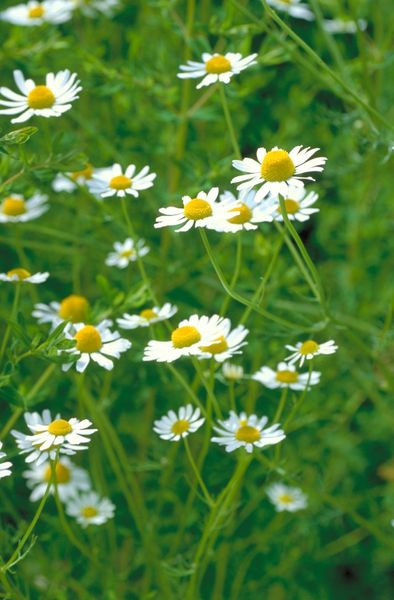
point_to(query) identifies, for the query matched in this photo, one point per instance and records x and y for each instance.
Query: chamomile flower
(294, 8)
(5, 467)
(147, 317)
(297, 203)
(73, 308)
(174, 427)
(70, 479)
(36, 13)
(309, 349)
(97, 343)
(26, 445)
(216, 67)
(344, 25)
(89, 508)
(246, 212)
(227, 343)
(126, 252)
(287, 498)
(232, 372)
(113, 181)
(49, 100)
(204, 210)
(186, 340)
(286, 376)
(245, 431)
(70, 181)
(59, 432)
(92, 8)
(277, 170)
(15, 209)
(21, 275)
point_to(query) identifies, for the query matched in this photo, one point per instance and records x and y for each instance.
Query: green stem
(237, 269)
(281, 405)
(197, 473)
(14, 311)
(208, 388)
(298, 404)
(229, 121)
(187, 387)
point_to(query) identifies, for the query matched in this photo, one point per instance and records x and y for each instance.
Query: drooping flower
(174, 427)
(147, 317)
(113, 181)
(70, 479)
(60, 432)
(73, 308)
(297, 203)
(295, 8)
(286, 498)
(245, 431)
(21, 275)
(232, 372)
(5, 467)
(15, 209)
(306, 350)
(216, 67)
(286, 376)
(49, 100)
(227, 342)
(36, 13)
(126, 252)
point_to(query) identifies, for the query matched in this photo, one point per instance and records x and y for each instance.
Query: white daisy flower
(277, 170)
(186, 340)
(73, 308)
(92, 8)
(113, 181)
(26, 445)
(15, 209)
(5, 467)
(287, 498)
(232, 372)
(97, 343)
(294, 8)
(24, 276)
(204, 210)
(90, 509)
(147, 317)
(49, 100)
(70, 181)
(70, 479)
(227, 343)
(246, 212)
(344, 25)
(60, 432)
(216, 67)
(286, 376)
(174, 427)
(36, 13)
(245, 431)
(126, 252)
(297, 203)
(306, 350)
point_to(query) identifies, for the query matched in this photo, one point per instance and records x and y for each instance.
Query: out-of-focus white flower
(21, 275)
(287, 498)
(147, 317)
(36, 13)
(70, 479)
(15, 209)
(90, 509)
(126, 252)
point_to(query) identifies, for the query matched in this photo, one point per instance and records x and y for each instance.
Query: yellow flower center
(120, 182)
(89, 511)
(197, 209)
(247, 433)
(59, 427)
(127, 253)
(180, 426)
(74, 308)
(62, 473)
(148, 314)
(36, 12)
(20, 273)
(88, 339)
(13, 207)
(220, 345)
(85, 173)
(286, 498)
(309, 347)
(218, 64)
(287, 376)
(291, 206)
(41, 97)
(185, 336)
(277, 166)
(244, 214)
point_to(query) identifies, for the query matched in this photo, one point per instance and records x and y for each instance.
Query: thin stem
(229, 121)
(297, 405)
(281, 405)
(207, 387)
(197, 473)
(187, 387)
(237, 269)
(14, 311)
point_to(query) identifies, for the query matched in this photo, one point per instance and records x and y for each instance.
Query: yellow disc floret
(287, 376)
(20, 273)
(36, 12)
(244, 214)
(309, 347)
(185, 336)
(89, 511)
(218, 64)
(59, 427)
(127, 253)
(218, 346)
(74, 308)
(291, 206)
(197, 209)
(13, 207)
(88, 339)
(62, 473)
(277, 166)
(286, 498)
(85, 173)
(180, 426)
(41, 97)
(120, 182)
(148, 314)
(248, 434)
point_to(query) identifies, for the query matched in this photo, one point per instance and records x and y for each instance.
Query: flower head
(21, 275)
(113, 181)
(245, 212)
(232, 372)
(59, 432)
(297, 203)
(294, 8)
(277, 170)
(126, 252)
(174, 427)
(49, 100)
(286, 376)
(227, 343)
(15, 209)
(245, 431)
(70, 181)
(36, 13)
(287, 498)
(70, 479)
(216, 67)
(147, 317)
(73, 308)
(5, 467)
(309, 349)
(90, 509)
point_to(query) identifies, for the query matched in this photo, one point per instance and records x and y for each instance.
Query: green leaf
(19, 136)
